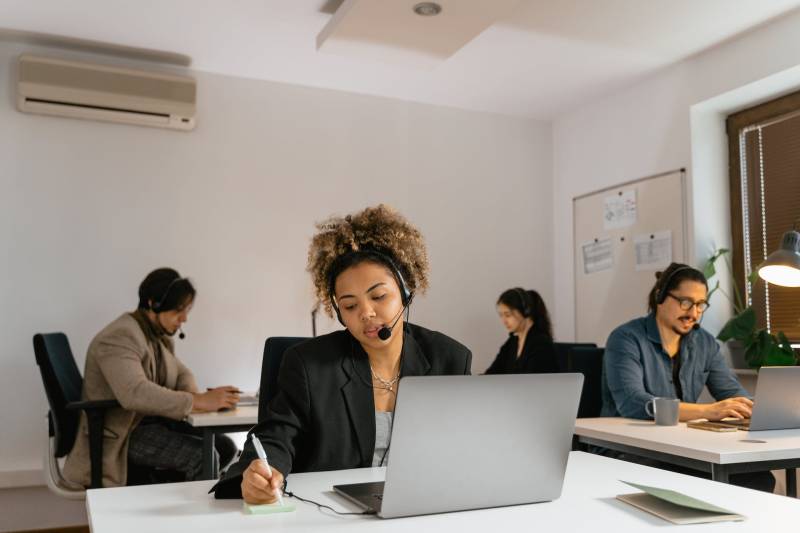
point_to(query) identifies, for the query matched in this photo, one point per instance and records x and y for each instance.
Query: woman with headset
(529, 348)
(336, 393)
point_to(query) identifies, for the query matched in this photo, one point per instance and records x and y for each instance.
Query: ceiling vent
(96, 92)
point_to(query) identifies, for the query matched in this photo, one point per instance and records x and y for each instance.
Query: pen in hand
(263, 456)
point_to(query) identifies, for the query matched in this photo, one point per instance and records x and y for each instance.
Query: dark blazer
(323, 416)
(538, 356)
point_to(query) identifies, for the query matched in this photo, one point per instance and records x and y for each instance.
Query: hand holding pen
(260, 482)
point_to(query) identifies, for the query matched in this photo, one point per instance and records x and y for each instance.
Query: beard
(678, 329)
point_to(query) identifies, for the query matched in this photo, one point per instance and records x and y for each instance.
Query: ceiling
(542, 59)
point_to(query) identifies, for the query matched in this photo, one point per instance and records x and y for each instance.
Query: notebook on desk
(676, 507)
(472, 442)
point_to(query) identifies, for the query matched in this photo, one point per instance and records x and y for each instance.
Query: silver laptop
(777, 399)
(471, 442)
(246, 400)
(776, 404)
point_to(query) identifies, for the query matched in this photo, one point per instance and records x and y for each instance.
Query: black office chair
(589, 362)
(562, 352)
(274, 349)
(62, 385)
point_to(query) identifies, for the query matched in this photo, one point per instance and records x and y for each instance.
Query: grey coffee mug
(664, 410)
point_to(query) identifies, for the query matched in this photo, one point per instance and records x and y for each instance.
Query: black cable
(323, 506)
(402, 354)
(386, 451)
(369, 384)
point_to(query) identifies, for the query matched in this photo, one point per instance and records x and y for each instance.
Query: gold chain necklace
(385, 384)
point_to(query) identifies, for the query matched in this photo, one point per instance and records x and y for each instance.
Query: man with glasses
(667, 354)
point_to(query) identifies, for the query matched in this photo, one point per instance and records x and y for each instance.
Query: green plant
(762, 348)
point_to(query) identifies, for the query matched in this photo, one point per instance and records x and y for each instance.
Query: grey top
(383, 436)
(636, 369)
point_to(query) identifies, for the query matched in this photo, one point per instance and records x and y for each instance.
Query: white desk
(721, 454)
(239, 419)
(587, 504)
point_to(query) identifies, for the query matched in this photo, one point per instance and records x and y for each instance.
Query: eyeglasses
(688, 303)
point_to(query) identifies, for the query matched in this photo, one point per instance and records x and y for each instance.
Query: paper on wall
(619, 210)
(598, 255)
(653, 250)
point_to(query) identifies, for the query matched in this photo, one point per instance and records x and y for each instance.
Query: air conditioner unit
(81, 90)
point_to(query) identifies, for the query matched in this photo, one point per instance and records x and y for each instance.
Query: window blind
(765, 202)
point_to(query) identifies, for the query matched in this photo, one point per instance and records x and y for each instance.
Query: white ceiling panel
(540, 59)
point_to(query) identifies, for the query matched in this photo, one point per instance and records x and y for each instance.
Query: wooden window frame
(758, 114)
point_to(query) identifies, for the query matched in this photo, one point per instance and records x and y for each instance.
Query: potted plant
(761, 348)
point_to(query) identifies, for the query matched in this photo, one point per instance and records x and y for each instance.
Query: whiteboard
(623, 235)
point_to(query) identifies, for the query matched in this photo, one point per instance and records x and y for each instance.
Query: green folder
(676, 507)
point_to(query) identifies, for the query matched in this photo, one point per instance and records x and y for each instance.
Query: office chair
(589, 362)
(274, 349)
(562, 352)
(62, 384)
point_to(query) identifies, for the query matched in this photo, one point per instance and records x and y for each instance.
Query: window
(764, 148)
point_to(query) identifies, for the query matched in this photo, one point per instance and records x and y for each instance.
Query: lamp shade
(782, 267)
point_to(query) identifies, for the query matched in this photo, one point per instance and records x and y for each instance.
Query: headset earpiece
(662, 292)
(336, 309)
(405, 294)
(157, 305)
(525, 299)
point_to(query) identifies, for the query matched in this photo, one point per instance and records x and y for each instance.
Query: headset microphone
(697, 325)
(385, 332)
(181, 334)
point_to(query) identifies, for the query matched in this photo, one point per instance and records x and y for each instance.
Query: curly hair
(378, 229)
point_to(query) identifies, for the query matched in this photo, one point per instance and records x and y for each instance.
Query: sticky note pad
(268, 508)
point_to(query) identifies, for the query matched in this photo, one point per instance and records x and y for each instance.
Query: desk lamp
(782, 267)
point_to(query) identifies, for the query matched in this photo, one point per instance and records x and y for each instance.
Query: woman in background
(529, 348)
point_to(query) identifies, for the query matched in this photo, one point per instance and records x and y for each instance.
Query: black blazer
(323, 416)
(538, 356)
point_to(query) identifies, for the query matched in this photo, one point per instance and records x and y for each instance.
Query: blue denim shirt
(636, 368)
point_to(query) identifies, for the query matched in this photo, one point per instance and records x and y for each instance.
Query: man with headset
(667, 354)
(133, 361)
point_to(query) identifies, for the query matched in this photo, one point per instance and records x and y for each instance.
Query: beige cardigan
(121, 365)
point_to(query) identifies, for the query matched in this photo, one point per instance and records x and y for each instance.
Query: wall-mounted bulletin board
(623, 235)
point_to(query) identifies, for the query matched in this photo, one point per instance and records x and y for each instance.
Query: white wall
(87, 209)
(646, 129)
